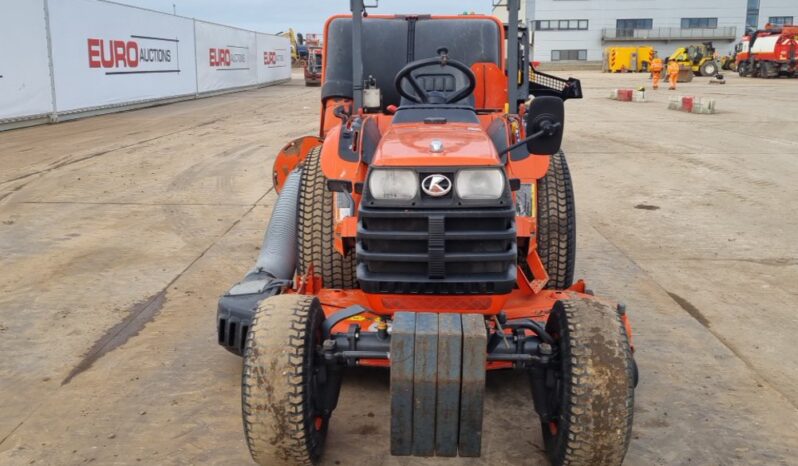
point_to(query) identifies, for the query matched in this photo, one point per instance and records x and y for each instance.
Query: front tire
(279, 385)
(742, 70)
(557, 223)
(709, 68)
(590, 387)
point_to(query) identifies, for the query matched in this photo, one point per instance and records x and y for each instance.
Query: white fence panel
(107, 54)
(274, 58)
(24, 66)
(226, 57)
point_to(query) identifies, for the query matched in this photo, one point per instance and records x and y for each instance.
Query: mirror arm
(547, 128)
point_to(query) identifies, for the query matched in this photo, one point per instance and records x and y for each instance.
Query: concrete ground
(118, 233)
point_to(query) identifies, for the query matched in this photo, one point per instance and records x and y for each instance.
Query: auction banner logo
(229, 58)
(137, 55)
(275, 58)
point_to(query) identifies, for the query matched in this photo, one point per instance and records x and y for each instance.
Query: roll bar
(513, 7)
(358, 8)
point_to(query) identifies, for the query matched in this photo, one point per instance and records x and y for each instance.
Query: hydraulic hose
(535, 327)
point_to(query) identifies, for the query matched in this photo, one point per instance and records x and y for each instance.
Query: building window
(699, 23)
(563, 55)
(626, 27)
(561, 25)
(781, 20)
(643, 23)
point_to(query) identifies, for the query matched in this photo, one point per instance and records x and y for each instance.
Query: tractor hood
(459, 144)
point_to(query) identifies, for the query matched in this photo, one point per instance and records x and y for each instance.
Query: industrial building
(580, 30)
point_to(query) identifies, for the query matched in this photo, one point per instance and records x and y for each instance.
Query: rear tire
(316, 230)
(767, 71)
(278, 384)
(591, 388)
(557, 223)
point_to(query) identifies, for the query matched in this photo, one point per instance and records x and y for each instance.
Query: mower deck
(235, 313)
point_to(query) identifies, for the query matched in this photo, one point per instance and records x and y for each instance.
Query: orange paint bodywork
(408, 145)
(486, 94)
(516, 305)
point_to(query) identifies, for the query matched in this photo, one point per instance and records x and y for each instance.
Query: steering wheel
(421, 96)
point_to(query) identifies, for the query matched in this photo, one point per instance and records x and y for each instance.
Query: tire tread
(599, 405)
(316, 229)
(273, 383)
(557, 223)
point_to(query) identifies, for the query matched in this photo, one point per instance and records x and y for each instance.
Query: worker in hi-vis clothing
(673, 74)
(656, 71)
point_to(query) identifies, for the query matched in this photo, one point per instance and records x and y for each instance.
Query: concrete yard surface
(118, 234)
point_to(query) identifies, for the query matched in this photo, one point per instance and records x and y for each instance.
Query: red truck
(768, 53)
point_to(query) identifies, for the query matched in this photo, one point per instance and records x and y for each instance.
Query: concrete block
(627, 95)
(704, 106)
(692, 104)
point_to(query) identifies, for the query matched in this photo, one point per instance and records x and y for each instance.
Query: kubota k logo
(436, 185)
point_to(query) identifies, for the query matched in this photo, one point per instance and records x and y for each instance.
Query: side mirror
(545, 118)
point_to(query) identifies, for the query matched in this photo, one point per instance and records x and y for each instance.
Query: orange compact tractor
(428, 230)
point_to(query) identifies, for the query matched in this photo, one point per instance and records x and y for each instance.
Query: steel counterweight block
(403, 337)
(472, 388)
(437, 384)
(450, 360)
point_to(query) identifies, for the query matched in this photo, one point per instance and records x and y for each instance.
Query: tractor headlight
(393, 184)
(482, 183)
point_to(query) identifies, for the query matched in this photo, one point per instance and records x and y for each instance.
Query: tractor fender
(529, 169)
(291, 156)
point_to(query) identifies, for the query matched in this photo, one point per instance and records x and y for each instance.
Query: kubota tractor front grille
(436, 251)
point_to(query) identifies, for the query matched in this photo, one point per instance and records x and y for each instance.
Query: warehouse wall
(768, 8)
(104, 56)
(604, 14)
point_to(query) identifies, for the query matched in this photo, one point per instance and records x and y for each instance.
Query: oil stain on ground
(142, 312)
(692, 310)
(138, 316)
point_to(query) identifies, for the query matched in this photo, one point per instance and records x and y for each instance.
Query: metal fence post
(196, 61)
(54, 112)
